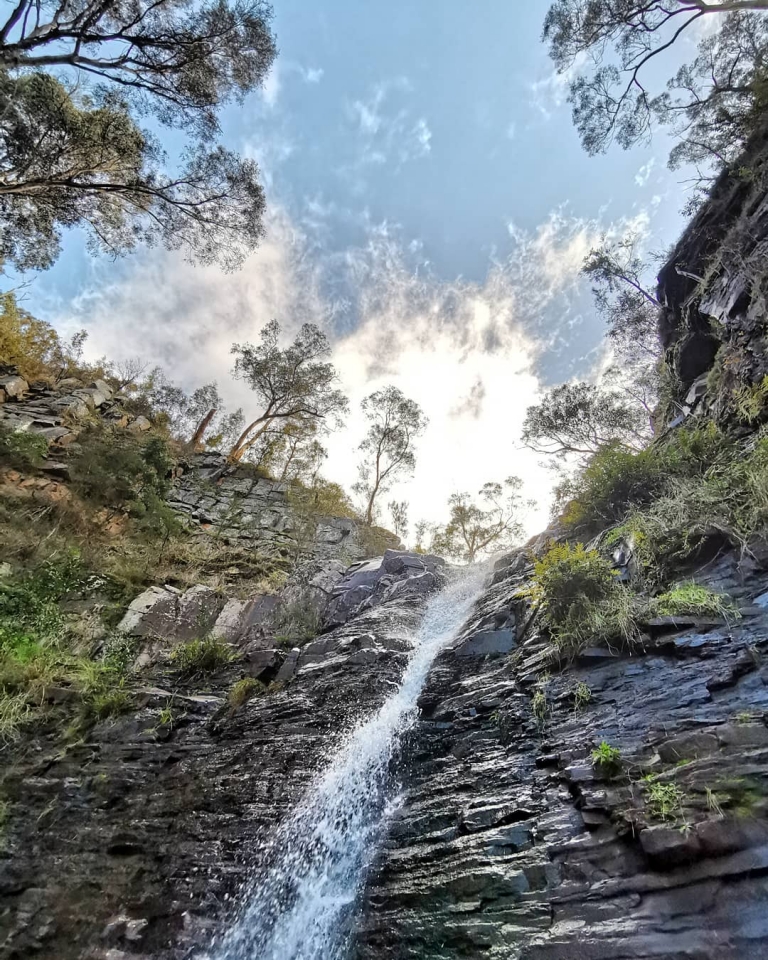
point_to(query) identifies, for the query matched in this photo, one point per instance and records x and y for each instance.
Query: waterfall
(302, 908)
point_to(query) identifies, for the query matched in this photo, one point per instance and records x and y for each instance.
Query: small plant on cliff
(693, 599)
(607, 758)
(582, 696)
(298, 623)
(243, 691)
(663, 800)
(540, 707)
(581, 601)
(21, 450)
(201, 656)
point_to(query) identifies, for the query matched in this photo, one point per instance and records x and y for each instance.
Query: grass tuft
(201, 656)
(243, 691)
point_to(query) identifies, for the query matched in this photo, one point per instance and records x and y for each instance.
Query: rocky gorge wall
(130, 841)
(513, 843)
(509, 841)
(714, 291)
(130, 838)
(233, 502)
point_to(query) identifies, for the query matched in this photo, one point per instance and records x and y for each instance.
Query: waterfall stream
(302, 908)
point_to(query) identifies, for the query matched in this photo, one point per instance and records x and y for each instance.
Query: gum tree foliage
(610, 48)
(388, 447)
(198, 418)
(76, 79)
(630, 310)
(295, 385)
(579, 418)
(299, 453)
(398, 511)
(479, 526)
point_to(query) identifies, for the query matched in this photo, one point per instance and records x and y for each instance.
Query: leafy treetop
(609, 45)
(295, 384)
(388, 447)
(474, 529)
(76, 76)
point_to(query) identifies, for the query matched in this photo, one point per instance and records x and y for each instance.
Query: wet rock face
(713, 287)
(129, 842)
(371, 582)
(513, 843)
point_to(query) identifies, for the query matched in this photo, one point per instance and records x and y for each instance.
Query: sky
(429, 206)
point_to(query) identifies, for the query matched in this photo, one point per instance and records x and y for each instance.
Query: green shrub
(201, 656)
(14, 712)
(663, 800)
(582, 696)
(580, 598)
(29, 602)
(613, 479)
(109, 702)
(540, 707)
(693, 599)
(616, 480)
(607, 758)
(21, 450)
(298, 623)
(243, 690)
(114, 469)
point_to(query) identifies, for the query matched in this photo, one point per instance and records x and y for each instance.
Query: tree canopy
(476, 528)
(610, 48)
(295, 384)
(631, 313)
(388, 447)
(578, 418)
(77, 76)
(199, 418)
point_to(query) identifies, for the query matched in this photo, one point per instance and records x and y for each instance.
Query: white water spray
(302, 908)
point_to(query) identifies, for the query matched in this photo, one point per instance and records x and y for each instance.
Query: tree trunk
(197, 437)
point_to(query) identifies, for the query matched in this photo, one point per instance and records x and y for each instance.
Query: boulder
(73, 405)
(103, 389)
(396, 575)
(139, 425)
(170, 615)
(152, 613)
(14, 386)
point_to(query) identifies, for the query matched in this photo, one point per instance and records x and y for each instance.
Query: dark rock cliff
(513, 844)
(714, 286)
(130, 841)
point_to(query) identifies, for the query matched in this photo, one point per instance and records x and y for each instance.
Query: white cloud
(387, 132)
(313, 74)
(271, 89)
(643, 174)
(511, 131)
(551, 92)
(423, 135)
(467, 352)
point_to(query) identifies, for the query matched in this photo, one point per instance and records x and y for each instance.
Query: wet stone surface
(511, 843)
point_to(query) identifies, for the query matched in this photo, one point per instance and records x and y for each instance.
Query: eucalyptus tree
(295, 385)
(396, 422)
(576, 419)
(77, 78)
(611, 50)
(398, 511)
(481, 525)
